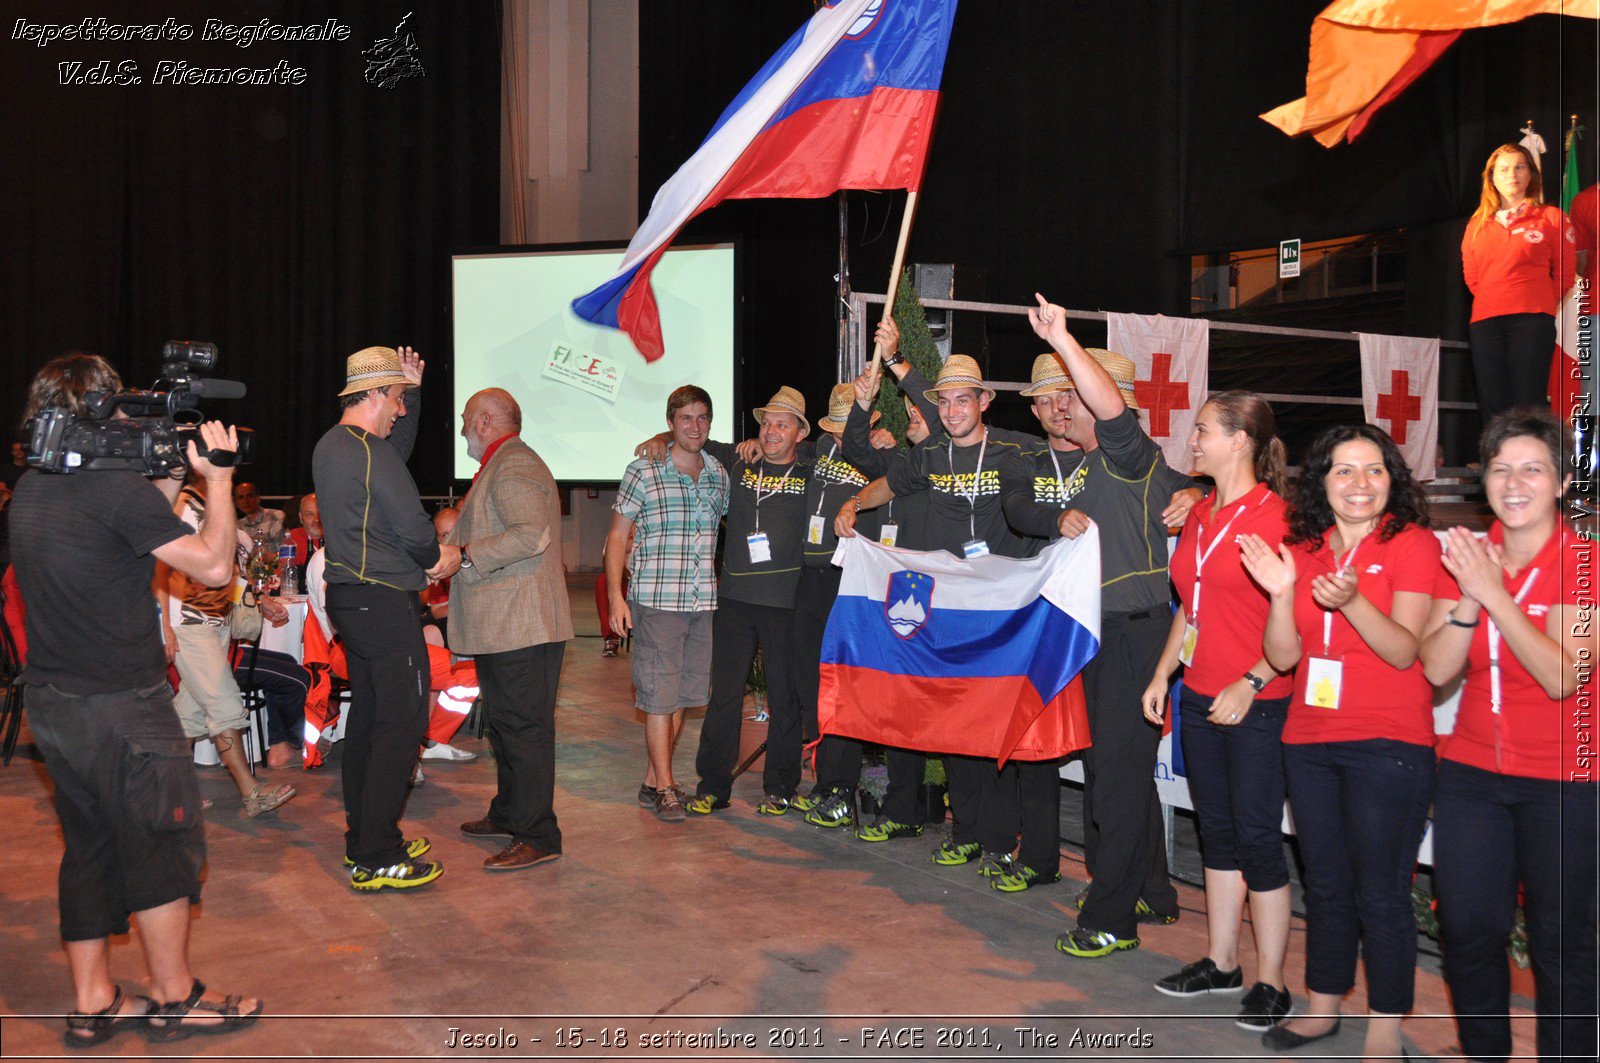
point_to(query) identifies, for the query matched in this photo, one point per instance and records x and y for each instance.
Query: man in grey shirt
(381, 551)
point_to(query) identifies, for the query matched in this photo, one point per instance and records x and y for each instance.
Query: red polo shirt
(1523, 268)
(1538, 737)
(1376, 699)
(1233, 607)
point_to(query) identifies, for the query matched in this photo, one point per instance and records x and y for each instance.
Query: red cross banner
(1400, 394)
(1172, 359)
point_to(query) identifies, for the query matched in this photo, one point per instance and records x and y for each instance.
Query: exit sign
(1288, 259)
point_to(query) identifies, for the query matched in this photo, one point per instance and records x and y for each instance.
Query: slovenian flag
(935, 652)
(848, 102)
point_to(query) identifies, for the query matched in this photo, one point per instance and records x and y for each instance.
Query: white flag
(1400, 394)
(1173, 358)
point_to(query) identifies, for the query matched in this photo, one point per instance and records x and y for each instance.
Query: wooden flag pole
(894, 276)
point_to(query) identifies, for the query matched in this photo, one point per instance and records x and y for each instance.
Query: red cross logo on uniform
(1399, 407)
(1161, 395)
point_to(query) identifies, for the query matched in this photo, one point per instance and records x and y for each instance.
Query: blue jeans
(1359, 811)
(1491, 831)
(1236, 782)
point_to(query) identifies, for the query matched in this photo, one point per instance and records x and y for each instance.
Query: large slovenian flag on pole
(978, 657)
(847, 102)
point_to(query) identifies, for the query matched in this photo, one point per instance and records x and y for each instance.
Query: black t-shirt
(834, 479)
(82, 544)
(907, 514)
(780, 491)
(960, 507)
(1122, 485)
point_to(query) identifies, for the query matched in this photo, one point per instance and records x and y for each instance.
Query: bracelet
(854, 500)
(1450, 618)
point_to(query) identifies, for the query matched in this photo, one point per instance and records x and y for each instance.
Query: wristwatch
(466, 559)
(894, 359)
(1256, 682)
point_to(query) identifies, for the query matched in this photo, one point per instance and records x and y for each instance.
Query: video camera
(150, 439)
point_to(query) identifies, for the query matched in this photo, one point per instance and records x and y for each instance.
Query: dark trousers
(1124, 835)
(388, 662)
(283, 682)
(1491, 831)
(839, 768)
(973, 786)
(813, 601)
(518, 688)
(1236, 782)
(1359, 812)
(737, 631)
(1511, 360)
(1026, 801)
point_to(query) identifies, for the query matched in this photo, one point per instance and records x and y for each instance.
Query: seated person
(283, 682)
(307, 538)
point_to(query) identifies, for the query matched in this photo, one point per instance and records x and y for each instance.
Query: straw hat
(1049, 376)
(958, 371)
(372, 367)
(840, 399)
(787, 400)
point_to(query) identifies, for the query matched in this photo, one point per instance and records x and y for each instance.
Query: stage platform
(762, 927)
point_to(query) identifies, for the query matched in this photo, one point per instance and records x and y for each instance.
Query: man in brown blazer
(509, 610)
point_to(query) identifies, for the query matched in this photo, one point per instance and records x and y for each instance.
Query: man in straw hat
(959, 469)
(761, 562)
(1118, 479)
(381, 550)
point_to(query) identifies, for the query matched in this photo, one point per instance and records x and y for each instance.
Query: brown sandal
(168, 1022)
(97, 1027)
(261, 799)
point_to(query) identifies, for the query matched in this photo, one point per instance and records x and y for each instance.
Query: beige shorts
(208, 701)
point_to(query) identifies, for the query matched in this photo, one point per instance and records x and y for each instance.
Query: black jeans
(518, 688)
(1124, 835)
(388, 662)
(1511, 360)
(1236, 782)
(813, 601)
(1491, 831)
(1026, 802)
(737, 631)
(1359, 812)
(283, 682)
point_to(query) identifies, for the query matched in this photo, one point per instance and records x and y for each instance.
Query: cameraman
(85, 546)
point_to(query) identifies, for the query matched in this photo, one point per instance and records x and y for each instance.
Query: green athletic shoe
(1092, 944)
(403, 876)
(704, 804)
(1021, 878)
(952, 855)
(414, 848)
(834, 811)
(882, 830)
(773, 805)
(997, 865)
(1142, 911)
(806, 802)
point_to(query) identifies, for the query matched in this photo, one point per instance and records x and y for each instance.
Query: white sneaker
(446, 751)
(417, 778)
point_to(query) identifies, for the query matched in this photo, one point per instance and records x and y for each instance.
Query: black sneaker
(1199, 977)
(647, 796)
(1262, 1007)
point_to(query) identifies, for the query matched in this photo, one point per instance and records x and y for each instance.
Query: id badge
(760, 549)
(888, 534)
(1324, 682)
(814, 530)
(975, 548)
(1191, 635)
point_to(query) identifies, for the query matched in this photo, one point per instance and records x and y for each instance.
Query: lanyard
(1061, 483)
(977, 477)
(1494, 646)
(822, 495)
(761, 478)
(1327, 614)
(1200, 558)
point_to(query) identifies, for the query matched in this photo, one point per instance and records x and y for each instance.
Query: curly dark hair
(1311, 516)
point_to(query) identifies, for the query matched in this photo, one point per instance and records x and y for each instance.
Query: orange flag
(1364, 53)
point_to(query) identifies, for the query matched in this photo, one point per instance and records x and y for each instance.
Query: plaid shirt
(675, 533)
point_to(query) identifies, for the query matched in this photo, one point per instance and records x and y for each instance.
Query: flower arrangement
(262, 570)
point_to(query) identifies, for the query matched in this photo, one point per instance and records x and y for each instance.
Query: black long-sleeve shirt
(375, 527)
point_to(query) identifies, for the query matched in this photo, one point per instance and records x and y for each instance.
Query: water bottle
(288, 583)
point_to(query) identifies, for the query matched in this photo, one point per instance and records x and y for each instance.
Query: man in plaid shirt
(673, 508)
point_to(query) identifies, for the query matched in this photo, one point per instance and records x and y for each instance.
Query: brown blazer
(515, 593)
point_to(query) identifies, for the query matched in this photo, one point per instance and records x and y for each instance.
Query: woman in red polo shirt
(1517, 257)
(1351, 590)
(1233, 705)
(1516, 796)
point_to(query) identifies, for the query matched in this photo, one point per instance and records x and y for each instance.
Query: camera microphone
(206, 388)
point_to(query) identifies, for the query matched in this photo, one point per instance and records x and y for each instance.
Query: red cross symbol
(1399, 407)
(1161, 395)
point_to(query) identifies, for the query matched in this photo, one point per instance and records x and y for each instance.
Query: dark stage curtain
(291, 225)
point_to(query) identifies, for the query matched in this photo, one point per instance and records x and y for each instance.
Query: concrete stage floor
(805, 939)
